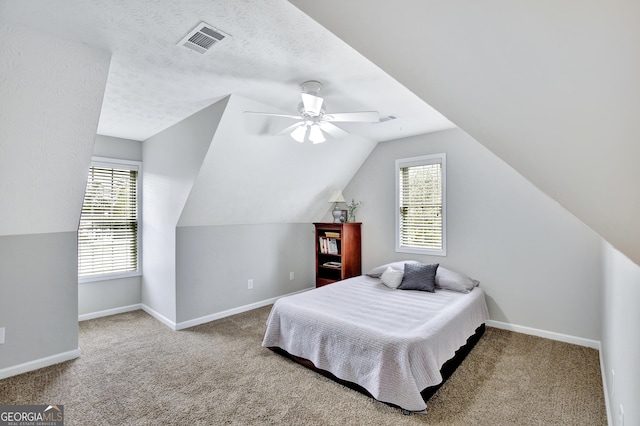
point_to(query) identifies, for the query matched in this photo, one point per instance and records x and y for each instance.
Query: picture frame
(332, 246)
(344, 215)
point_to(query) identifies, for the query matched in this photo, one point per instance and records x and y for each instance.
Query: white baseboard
(607, 403)
(108, 312)
(157, 315)
(546, 334)
(185, 324)
(38, 363)
(218, 315)
(229, 312)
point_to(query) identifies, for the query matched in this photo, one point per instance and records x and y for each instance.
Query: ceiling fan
(314, 121)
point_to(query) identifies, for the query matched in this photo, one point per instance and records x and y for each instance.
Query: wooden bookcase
(341, 247)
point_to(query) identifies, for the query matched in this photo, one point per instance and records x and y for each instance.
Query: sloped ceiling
(248, 177)
(550, 87)
(50, 96)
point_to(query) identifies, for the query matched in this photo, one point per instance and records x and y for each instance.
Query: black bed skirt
(446, 371)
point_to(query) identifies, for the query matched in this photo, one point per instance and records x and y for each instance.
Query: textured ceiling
(272, 48)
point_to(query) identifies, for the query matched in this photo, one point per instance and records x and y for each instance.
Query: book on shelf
(332, 234)
(328, 245)
(332, 264)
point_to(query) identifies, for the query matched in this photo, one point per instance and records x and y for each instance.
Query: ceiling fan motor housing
(311, 87)
(309, 115)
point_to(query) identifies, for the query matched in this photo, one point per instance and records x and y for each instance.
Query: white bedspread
(391, 342)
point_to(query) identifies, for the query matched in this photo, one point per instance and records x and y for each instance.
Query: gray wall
(51, 95)
(99, 296)
(214, 263)
(539, 265)
(124, 149)
(38, 296)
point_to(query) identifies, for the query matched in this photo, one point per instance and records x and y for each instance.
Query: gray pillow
(420, 276)
(450, 280)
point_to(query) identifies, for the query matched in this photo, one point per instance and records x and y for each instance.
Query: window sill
(108, 277)
(426, 252)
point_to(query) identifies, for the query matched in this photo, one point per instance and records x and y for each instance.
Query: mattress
(391, 342)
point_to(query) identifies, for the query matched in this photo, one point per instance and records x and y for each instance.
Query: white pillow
(378, 270)
(450, 280)
(392, 277)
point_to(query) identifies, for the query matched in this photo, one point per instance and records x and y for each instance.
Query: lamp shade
(337, 197)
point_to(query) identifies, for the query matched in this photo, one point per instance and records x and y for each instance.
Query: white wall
(172, 160)
(51, 92)
(249, 176)
(621, 334)
(550, 87)
(97, 297)
(539, 265)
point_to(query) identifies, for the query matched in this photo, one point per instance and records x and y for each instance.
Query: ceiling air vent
(388, 118)
(202, 38)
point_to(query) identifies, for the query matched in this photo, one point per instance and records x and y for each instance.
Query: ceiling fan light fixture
(313, 119)
(315, 134)
(299, 133)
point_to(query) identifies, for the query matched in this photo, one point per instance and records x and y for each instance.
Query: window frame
(440, 158)
(116, 163)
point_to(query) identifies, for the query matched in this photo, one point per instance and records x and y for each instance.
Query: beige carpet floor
(135, 371)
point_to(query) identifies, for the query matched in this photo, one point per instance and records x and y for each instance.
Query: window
(420, 205)
(108, 235)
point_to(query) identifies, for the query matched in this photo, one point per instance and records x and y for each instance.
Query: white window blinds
(108, 231)
(421, 205)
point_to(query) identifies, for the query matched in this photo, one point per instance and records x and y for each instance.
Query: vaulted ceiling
(550, 87)
(271, 48)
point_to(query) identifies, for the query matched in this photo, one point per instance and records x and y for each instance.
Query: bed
(392, 343)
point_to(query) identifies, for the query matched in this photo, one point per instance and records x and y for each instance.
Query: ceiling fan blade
(312, 104)
(362, 116)
(290, 128)
(273, 114)
(332, 129)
